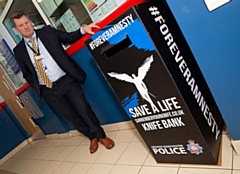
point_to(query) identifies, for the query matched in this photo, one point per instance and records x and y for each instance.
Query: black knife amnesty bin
(147, 62)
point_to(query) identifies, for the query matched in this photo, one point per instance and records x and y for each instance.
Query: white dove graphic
(138, 80)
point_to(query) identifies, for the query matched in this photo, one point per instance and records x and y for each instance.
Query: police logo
(194, 148)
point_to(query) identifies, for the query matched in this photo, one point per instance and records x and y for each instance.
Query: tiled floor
(129, 156)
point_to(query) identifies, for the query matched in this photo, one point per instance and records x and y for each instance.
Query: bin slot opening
(110, 50)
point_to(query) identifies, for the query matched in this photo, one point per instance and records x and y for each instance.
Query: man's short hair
(17, 15)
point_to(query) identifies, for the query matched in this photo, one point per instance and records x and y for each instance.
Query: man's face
(24, 26)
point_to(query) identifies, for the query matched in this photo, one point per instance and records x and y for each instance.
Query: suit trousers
(67, 98)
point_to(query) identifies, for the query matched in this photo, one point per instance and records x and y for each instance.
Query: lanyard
(33, 50)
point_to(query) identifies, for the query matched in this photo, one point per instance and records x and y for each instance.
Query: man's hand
(88, 28)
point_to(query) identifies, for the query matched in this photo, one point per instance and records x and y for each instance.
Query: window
(69, 15)
(28, 7)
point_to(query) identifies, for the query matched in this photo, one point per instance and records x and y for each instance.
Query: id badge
(39, 57)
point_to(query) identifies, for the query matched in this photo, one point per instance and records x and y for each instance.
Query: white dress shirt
(53, 71)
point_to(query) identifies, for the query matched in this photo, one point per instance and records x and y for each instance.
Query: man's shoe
(94, 145)
(107, 142)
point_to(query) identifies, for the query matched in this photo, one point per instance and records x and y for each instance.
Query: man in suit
(59, 77)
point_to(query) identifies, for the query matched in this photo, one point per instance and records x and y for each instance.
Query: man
(55, 76)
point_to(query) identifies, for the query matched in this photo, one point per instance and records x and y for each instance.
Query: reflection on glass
(48, 7)
(68, 15)
(13, 77)
(2, 5)
(10, 65)
(99, 9)
(65, 15)
(69, 21)
(91, 6)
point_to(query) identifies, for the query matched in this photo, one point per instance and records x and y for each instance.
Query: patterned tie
(39, 65)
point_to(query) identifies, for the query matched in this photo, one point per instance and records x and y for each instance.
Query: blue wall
(11, 132)
(214, 40)
(50, 123)
(98, 92)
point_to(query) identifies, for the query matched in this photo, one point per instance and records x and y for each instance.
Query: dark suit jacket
(52, 40)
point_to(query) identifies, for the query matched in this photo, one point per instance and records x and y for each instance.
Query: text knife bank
(149, 66)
